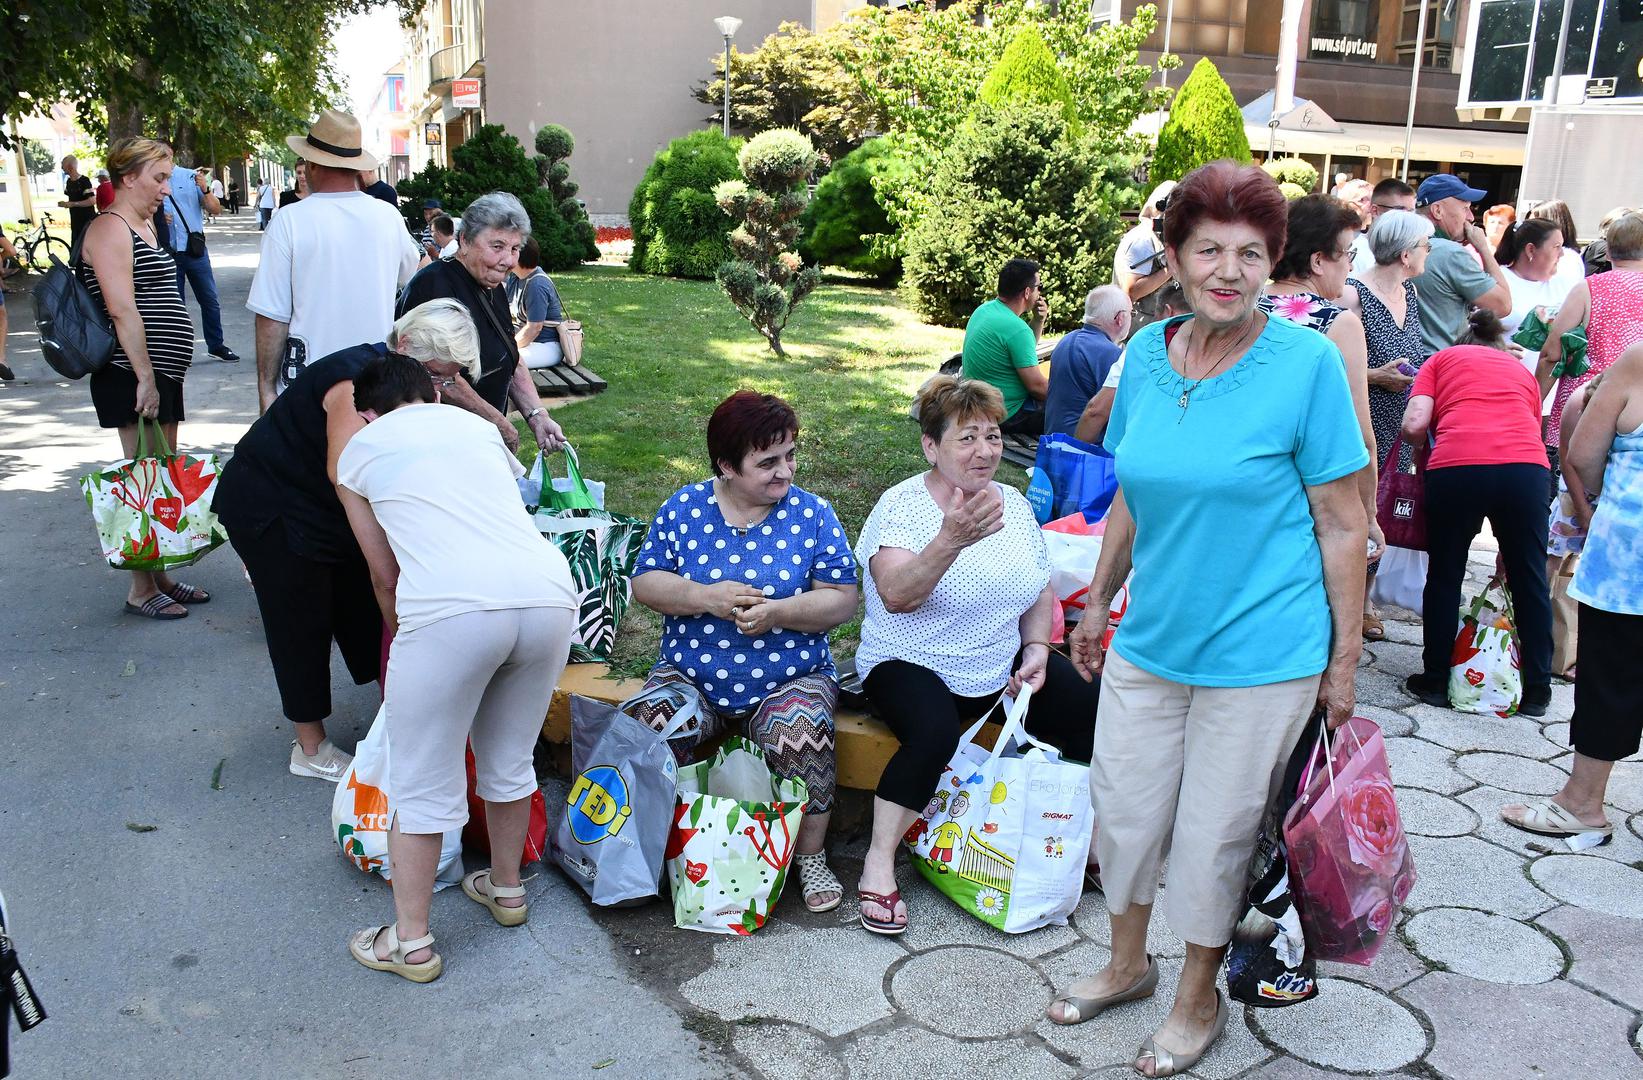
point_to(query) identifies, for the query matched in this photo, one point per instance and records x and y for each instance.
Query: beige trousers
(1187, 772)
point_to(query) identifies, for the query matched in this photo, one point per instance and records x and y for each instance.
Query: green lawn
(672, 350)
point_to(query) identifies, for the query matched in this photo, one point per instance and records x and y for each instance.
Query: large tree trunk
(125, 113)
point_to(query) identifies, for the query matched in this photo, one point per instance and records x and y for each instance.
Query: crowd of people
(1253, 369)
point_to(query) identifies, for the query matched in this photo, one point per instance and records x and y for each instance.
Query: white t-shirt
(1115, 372)
(265, 196)
(216, 188)
(1363, 259)
(1136, 251)
(1526, 296)
(968, 630)
(331, 265)
(442, 485)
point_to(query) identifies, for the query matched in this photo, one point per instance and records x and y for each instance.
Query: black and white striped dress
(166, 326)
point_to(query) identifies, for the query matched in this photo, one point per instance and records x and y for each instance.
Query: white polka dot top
(968, 630)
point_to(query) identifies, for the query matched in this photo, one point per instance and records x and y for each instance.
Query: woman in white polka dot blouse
(959, 608)
(751, 572)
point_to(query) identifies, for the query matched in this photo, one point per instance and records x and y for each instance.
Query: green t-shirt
(1451, 281)
(997, 341)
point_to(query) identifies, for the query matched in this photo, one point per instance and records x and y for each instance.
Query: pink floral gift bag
(1349, 861)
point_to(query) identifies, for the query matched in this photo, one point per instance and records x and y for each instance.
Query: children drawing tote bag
(1484, 669)
(735, 827)
(1006, 833)
(154, 511)
(1349, 860)
(361, 813)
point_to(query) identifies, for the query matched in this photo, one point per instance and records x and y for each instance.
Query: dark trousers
(1513, 499)
(928, 719)
(1608, 719)
(305, 605)
(263, 214)
(1028, 420)
(197, 272)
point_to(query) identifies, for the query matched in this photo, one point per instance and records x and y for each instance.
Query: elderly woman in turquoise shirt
(1236, 445)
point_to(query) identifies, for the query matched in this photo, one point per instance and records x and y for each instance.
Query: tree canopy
(1204, 125)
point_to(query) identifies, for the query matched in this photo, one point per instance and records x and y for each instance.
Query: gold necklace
(1186, 391)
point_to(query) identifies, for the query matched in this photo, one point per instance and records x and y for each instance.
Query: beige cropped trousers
(1187, 772)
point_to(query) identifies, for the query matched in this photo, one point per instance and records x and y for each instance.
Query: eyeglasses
(1386, 206)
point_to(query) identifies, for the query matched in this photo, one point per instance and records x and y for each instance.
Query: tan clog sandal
(363, 945)
(507, 916)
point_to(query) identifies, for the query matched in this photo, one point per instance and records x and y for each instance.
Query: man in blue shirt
(185, 210)
(1083, 358)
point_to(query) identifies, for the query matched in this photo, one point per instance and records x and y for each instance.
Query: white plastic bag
(360, 813)
(1072, 564)
(530, 485)
(1401, 579)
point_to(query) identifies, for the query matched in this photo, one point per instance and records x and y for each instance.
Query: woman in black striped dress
(135, 279)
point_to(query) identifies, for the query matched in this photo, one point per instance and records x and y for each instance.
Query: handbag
(602, 549)
(195, 247)
(570, 341)
(1400, 579)
(76, 336)
(1400, 500)
(17, 997)
(154, 511)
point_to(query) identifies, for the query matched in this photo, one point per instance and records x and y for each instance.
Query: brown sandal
(1373, 630)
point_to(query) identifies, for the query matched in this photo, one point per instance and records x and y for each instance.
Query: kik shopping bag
(154, 511)
(1267, 963)
(1349, 861)
(735, 824)
(361, 812)
(1484, 669)
(1400, 500)
(601, 548)
(613, 835)
(1071, 477)
(1006, 834)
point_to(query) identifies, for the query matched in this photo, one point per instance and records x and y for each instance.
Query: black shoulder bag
(16, 995)
(76, 336)
(196, 240)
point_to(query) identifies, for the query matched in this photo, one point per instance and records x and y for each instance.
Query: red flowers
(610, 234)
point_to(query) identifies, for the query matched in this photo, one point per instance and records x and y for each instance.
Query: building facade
(446, 43)
(387, 127)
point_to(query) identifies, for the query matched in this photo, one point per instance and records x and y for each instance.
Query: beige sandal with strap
(507, 916)
(363, 947)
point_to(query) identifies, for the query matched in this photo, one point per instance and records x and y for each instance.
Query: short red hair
(746, 421)
(1227, 192)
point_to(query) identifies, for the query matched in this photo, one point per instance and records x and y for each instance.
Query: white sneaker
(327, 763)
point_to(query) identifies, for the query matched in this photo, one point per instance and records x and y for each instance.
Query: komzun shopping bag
(1349, 860)
(735, 827)
(613, 833)
(1484, 669)
(361, 813)
(154, 511)
(1006, 834)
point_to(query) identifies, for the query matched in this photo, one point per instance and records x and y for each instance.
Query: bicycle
(36, 246)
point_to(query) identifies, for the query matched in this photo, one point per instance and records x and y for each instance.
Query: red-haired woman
(750, 573)
(1237, 448)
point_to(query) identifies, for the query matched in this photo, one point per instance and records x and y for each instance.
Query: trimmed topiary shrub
(1027, 72)
(1292, 191)
(678, 228)
(766, 278)
(1293, 170)
(838, 225)
(1015, 184)
(570, 240)
(1204, 125)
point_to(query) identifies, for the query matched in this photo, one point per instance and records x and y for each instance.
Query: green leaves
(1204, 125)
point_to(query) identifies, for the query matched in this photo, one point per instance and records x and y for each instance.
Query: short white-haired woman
(482, 608)
(277, 498)
(489, 237)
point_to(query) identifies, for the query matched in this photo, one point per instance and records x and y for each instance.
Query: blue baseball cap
(435, 204)
(1445, 186)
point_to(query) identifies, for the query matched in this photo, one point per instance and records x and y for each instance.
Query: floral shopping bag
(735, 825)
(1484, 669)
(1349, 861)
(154, 511)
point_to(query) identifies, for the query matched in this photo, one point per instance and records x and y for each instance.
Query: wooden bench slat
(562, 381)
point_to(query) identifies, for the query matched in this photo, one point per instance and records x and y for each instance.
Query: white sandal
(815, 877)
(507, 916)
(363, 945)
(1547, 818)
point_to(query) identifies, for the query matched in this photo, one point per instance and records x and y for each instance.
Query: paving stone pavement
(1514, 957)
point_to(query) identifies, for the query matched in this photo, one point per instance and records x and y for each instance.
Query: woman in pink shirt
(1481, 408)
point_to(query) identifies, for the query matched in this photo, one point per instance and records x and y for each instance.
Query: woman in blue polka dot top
(750, 573)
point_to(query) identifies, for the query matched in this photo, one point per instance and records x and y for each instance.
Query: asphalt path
(178, 900)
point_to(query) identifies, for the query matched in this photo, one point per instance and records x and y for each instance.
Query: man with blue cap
(1455, 280)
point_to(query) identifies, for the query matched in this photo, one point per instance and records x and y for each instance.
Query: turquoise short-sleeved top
(1228, 585)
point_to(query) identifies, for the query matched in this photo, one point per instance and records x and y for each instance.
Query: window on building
(1516, 45)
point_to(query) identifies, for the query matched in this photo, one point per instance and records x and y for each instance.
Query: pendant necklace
(1187, 387)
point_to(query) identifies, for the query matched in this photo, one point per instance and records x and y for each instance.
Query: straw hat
(334, 141)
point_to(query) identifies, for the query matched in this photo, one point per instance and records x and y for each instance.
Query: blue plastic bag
(1071, 477)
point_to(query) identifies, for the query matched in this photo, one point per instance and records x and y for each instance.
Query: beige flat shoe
(492, 892)
(1165, 1063)
(362, 947)
(1076, 1010)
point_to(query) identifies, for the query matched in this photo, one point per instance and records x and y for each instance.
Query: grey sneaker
(328, 763)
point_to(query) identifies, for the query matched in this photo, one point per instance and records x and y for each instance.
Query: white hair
(1104, 303)
(440, 330)
(498, 210)
(1395, 232)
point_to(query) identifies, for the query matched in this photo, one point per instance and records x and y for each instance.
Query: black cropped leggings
(929, 719)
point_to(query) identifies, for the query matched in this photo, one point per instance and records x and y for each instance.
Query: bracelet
(1024, 644)
(533, 412)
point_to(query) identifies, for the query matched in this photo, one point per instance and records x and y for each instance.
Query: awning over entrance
(1307, 129)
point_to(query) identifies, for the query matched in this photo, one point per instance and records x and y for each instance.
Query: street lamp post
(1414, 88)
(728, 25)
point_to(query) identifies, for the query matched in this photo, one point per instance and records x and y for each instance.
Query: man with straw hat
(331, 263)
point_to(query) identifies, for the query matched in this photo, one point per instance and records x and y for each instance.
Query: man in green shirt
(1455, 279)
(1001, 346)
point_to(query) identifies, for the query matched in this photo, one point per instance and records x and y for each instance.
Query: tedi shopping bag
(1484, 669)
(735, 827)
(361, 812)
(1006, 834)
(1349, 860)
(601, 548)
(613, 835)
(154, 511)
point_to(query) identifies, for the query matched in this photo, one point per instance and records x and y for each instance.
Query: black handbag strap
(490, 314)
(186, 227)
